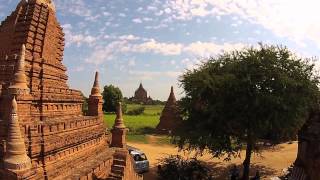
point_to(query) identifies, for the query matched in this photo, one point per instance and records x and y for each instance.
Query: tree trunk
(246, 162)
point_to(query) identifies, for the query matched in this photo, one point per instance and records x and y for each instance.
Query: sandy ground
(270, 162)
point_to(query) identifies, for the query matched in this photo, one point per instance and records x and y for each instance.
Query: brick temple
(141, 96)
(43, 132)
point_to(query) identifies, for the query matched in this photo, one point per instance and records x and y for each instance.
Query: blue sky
(154, 41)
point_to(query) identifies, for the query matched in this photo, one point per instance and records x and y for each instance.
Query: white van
(141, 162)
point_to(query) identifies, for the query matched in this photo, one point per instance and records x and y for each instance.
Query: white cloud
(158, 48)
(294, 19)
(151, 75)
(159, 13)
(77, 38)
(130, 44)
(139, 9)
(129, 37)
(206, 49)
(78, 69)
(131, 62)
(106, 13)
(102, 54)
(75, 7)
(147, 19)
(67, 26)
(167, 10)
(122, 15)
(152, 8)
(159, 26)
(190, 63)
(137, 20)
(93, 18)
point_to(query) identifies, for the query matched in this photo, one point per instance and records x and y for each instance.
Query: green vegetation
(136, 124)
(150, 110)
(85, 104)
(240, 98)
(112, 95)
(136, 112)
(141, 125)
(175, 167)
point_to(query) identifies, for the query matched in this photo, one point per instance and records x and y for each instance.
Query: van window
(140, 157)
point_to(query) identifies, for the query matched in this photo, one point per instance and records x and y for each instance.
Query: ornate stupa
(16, 158)
(43, 131)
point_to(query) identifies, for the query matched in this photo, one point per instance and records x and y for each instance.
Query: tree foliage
(85, 104)
(240, 98)
(136, 111)
(175, 167)
(111, 96)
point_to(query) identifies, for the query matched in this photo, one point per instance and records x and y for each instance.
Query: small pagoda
(170, 117)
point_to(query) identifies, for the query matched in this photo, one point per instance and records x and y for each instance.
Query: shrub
(175, 167)
(137, 111)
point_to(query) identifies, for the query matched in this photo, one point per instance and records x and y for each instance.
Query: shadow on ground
(145, 130)
(151, 175)
(220, 172)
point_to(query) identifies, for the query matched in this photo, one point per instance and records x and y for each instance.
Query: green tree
(85, 104)
(237, 99)
(111, 96)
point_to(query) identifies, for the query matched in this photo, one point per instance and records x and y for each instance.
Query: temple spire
(95, 99)
(172, 97)
(141, 86)
(170, 116)
(119, 130)
(95, 91)
(16, 158)
(19, 81)
(119, 120)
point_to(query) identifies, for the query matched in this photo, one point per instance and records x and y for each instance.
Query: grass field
(142, 125)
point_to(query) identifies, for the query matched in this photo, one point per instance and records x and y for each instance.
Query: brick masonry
(61, 142)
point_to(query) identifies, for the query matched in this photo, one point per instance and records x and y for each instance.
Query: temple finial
(119, 130)
(119, 124)
(172, 97)
(96, 79)
(95, 91)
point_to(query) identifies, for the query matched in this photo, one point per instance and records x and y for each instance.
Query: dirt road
(270, 163)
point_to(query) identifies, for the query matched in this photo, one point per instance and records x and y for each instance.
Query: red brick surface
(61, 142)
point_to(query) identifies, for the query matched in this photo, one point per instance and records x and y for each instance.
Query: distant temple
(170, 117)
(43, 132)
(141, 96)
